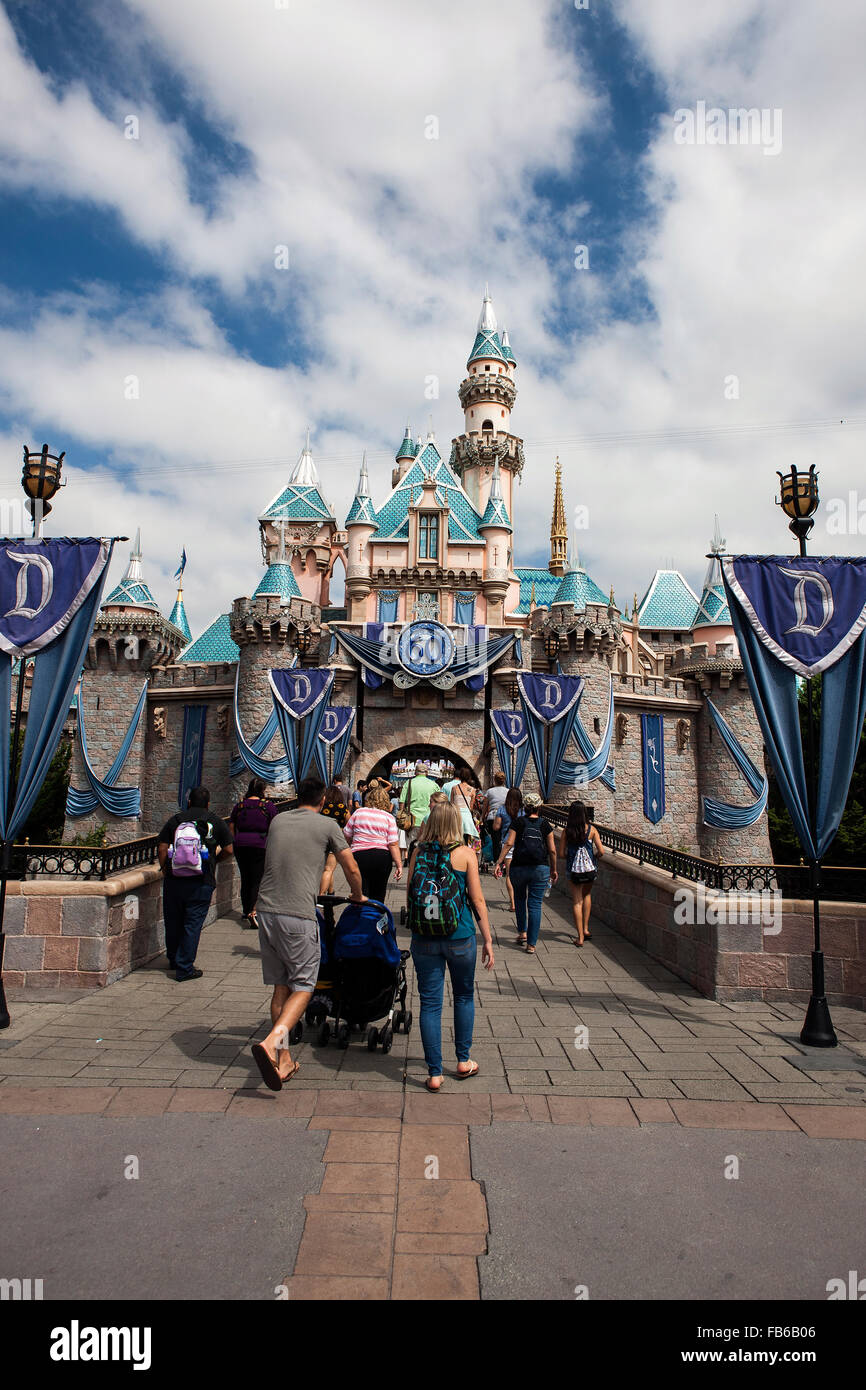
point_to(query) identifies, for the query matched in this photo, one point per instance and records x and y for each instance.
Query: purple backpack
(188, 852)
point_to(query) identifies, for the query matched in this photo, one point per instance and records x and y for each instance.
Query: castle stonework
(439, 547)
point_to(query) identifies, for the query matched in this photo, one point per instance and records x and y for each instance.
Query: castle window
(487, 425)
(428, 536)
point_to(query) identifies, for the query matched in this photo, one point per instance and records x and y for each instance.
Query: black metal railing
(838, 883)
(82, 861)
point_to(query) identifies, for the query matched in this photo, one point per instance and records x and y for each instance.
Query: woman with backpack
(250, 820)
(580, 846)
(444, 902)
(533, 867)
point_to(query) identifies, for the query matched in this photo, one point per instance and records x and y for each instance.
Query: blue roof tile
(669, 604)
(214, 644)
(133, 593)
(278, 579)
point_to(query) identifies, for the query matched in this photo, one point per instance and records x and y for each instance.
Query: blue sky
(152, 259)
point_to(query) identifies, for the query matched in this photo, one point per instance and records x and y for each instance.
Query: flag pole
(7, 845)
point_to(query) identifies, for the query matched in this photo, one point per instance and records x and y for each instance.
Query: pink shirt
(369, 828)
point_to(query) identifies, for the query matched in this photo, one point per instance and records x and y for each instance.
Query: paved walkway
(384, 1191)
(601, 1022)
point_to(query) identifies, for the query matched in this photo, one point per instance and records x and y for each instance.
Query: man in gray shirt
(298, 844)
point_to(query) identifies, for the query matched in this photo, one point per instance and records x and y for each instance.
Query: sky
(224, 222)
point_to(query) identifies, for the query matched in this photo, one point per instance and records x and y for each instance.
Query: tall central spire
(305, 473)
(558, 529)
(487, 318)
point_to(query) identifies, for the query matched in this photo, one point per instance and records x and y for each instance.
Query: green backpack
(436, 896)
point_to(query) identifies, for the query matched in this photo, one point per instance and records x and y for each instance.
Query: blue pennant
(807, 610)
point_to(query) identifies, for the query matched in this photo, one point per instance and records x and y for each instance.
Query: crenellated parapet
(482, 449)
(269, 620)
(132, 639)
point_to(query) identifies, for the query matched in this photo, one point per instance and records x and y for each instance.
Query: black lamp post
(551, 646)
(304, 642)
(799, 501)
(40, 479)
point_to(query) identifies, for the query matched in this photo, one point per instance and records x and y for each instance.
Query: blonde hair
(443, 824)
(379, 799)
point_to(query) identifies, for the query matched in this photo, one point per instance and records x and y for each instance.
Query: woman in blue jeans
(533, 867)
(432, 954)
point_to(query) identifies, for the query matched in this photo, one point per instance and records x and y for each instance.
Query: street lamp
(799, 501)
(40, 479)
(551, 645)
(304, 642)
(514, 693)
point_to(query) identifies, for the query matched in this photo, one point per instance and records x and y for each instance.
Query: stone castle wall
(174, 687)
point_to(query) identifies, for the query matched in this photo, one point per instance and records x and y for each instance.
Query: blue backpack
(365, 931)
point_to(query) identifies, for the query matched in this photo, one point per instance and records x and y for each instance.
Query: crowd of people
(438, 840)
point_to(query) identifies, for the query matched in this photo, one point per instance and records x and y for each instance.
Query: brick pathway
(598, 1023)
(597, 1037)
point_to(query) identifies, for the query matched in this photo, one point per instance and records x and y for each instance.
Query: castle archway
(412, 752)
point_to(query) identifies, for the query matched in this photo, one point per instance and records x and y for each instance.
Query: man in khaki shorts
(298, 844)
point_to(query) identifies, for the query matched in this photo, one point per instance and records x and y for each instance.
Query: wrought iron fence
(838, 883)
(82, 861)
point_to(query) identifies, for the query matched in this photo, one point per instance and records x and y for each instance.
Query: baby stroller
(362, 976)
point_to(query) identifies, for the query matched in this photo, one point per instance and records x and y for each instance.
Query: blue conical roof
(362, 508)
(487, 343)
(179, 618)
(496, 512)
(279, 579)
(407, 448)
(132, 592)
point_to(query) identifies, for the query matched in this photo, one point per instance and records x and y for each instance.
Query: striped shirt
(369, 828)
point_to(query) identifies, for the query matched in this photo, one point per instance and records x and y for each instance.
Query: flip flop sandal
(269, 1073)
(434, 1090)
(295, 1069)
(530, 950)
(464, 1075)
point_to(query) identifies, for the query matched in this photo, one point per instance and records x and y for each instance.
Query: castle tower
(404, 456)
(361, 523)
(558, 529)
(129, 637)
(178, 616)
(713, 620)
(495, 527)
(298, 531)
(487, 395)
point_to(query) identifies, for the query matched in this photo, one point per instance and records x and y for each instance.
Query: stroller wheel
(372, 1039)
(398, 1021)
(324, 1034)
(407, 1022)
(297, 1033)
(387, 1037)
(343, 1035)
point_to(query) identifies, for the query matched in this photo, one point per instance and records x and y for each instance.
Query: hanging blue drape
(191, 751)
(580, 774)
(477, 637)
(250, 755)
(511, 742)
(471, 659)
(549, 706)
(387, 605)
(372, 634)
(773, 687)
(119, 801)
(304, 701)
(722, 815)
(341, 718)
(653, 762)
(464, 609)
(79, 571)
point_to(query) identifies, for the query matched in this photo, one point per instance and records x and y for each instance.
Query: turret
(495, 527)
(298, 530)
(487, 395)
(361, 524)
(404, 456)
(713, 620)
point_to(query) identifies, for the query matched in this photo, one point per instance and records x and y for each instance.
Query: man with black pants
(186, 897)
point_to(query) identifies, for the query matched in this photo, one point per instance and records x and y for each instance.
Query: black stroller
(362, 977)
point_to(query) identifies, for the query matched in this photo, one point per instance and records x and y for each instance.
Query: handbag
(405, 819)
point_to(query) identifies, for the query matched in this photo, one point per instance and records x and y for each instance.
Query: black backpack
(532, 848)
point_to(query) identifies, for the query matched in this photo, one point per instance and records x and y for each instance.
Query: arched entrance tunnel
(412, 752)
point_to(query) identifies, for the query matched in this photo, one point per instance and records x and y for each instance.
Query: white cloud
(752, 266)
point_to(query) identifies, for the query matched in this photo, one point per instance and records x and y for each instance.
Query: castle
(439, 547)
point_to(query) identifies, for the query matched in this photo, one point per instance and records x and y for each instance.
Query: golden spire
(558, 529)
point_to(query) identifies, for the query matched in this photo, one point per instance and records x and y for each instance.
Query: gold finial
(612, 600)
(558, 529)
(532, 596)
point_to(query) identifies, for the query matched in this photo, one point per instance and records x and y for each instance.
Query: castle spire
(305, 473)
(487, 318)
(133, 570)
(558, 529)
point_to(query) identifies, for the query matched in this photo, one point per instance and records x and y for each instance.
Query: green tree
(44, 825)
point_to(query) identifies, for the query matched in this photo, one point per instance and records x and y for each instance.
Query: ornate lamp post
(40, 479)
(551, 646)
(304, 642)
(799, 501)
